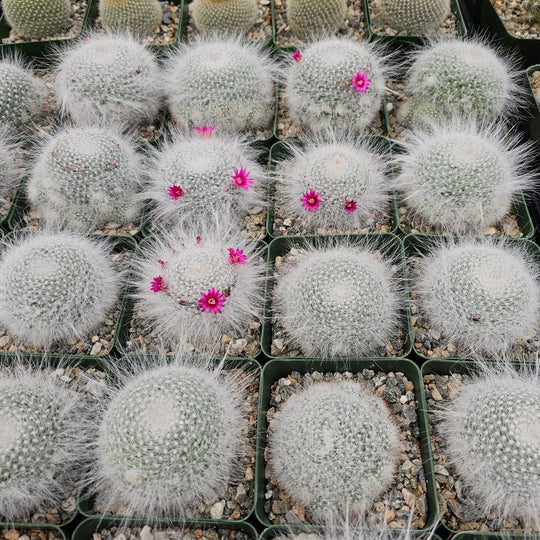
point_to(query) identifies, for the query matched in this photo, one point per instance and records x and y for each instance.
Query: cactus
(195, 177)
(139, 17)
(8, 171)
(337, 302)
(335, 84)
(461, 178)
(223, 83)
(169, 437)
(226, 16)
(84, 178)
(37, 19)
(491, 432)
(346, 178)
(109, 79)
(414, 16)
(22, 96)
(311, 19)
(42, 442)
(482, 296)
(532, 8)
(55, 288)
(333, 447)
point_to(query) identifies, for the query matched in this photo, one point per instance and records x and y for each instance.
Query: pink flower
(164, 264)
(158, 284)
(236, 256)
(212, 301)
(360, 81)
(241, 178)
(175, 192)
(205, 131)
(297, 55)
(350, 206)
(311, 200)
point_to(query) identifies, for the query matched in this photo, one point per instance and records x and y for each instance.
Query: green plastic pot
(278, 530)
(277, 369)
(494, 536)
(388, 243)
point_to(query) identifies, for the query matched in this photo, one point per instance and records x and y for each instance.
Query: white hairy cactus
(8, 171)
(55, 287)
(414, 16)
(334, 447)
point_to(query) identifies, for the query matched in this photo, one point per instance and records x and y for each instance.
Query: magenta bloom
(205, 131)
(212, 301)
(350, 206)
(236, 256)
(360, 81)
(297, 55)
(164, 264)
(175, 192)
(241, 178)
(158, 284)
(311, 200)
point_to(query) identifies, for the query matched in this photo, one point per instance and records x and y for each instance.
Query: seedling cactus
(225, 16)
(416, 16)
(532, 8)
(313, 18)
(138, 17)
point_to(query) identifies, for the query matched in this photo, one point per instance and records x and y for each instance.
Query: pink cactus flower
(350, 206)
(236, 256)
(205, 131)
(360, 81)
(311, 200)
(175, 192)
(158, 284)
(297, 55)
(241, 178)
(212, 301)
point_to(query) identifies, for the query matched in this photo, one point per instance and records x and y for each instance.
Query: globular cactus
(8, 171)
(333, 447)
(22, 97)
(339, 301)
(482, 296)
(414, 16)
(55, 288)
(109, 79)
(459, 79)
(226, 16)
(315, 18)
(169, 437)
(460, 178)
(335, 84)
(199, 283)
(222, 83)
(333, 184)
(42, 442)
(37, 19)
(532, 7)
(491, 431)
(138, 17)
(195, 177)
(86, 177)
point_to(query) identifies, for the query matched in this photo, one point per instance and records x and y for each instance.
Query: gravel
(512, 15)
(29, 534)
(170, 533)
(535, 84)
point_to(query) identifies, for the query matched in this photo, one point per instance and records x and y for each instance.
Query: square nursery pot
(282, 150)
(86, 499)
(533, 73)
(52, 532)
(422, 244)
(389, 245)
(275, 370)
(493, 536)
(278, 531)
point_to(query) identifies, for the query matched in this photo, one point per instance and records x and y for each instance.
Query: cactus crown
(84, 178)
(492, 433)
(112, 79)
(334, 447)
(309, 19)
(335, 84)
(55, 287)
(414, 16)
(223, 83)
(532, 8)
(138, 17)
(339, 301)
(226, 16)
(483, 296)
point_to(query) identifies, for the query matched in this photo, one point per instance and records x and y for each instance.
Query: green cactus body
(37, 19)
(315, 18)
(532, 8)
(139, 17)
(336, 84)
(224, 15)
(84, 178)
(414, 16)
(333, 447)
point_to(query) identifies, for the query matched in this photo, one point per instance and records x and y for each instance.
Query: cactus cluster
(339, 301)
(335, 84)
(491, 432)
(109, 79)
(414, 16)
(37, 19)
(55, 287)
(532, 8)
(225, 16)
(345, 433)
(482, 296)
(139, 17)
(333, 184)
(84, 178)
(223, 83)
(312, 18)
